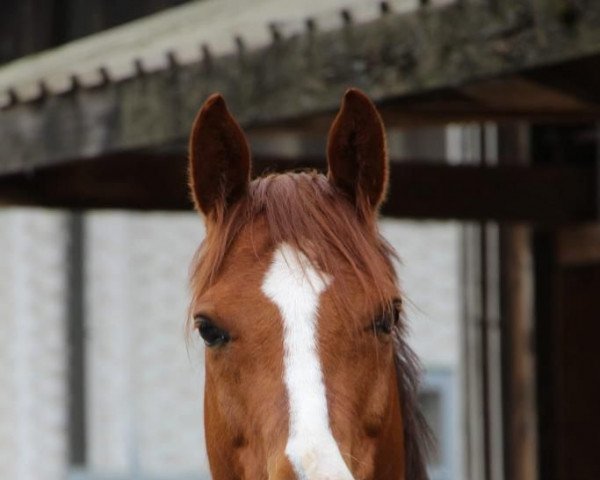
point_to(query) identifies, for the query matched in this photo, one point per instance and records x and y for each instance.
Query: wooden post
(519, 380)
(519, 357)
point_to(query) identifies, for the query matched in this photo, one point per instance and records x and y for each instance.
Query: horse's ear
(356, 151)
(219, 164)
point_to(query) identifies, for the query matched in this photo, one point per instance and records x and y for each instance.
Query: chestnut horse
(294, 293)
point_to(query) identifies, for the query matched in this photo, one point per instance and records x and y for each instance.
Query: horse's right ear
(219, 158)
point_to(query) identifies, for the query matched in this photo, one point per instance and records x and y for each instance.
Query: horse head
(295, 296)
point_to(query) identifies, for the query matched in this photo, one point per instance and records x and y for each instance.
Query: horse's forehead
(295, 286)
(279, 271)
(292, 275)
(250, 253)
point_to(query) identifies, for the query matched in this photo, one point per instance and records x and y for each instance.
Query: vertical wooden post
(518, 324)
(519, 356)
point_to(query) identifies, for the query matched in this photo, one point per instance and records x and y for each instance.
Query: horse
(307, 371)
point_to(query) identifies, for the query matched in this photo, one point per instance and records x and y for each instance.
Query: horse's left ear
(219, 166)
(356, 150)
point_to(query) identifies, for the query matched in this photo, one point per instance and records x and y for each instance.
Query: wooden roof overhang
(79, 131)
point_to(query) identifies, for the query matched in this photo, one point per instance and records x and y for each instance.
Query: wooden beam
(396, 56)
(503, 193)
(579, 245)
(418, 189)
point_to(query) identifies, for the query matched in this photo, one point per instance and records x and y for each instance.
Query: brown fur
(220, 157)
(304, 210)
(337, 231)
(357, 152)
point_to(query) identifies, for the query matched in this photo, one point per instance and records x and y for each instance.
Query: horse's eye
(383, 324)
(211, 334)
(388, 319)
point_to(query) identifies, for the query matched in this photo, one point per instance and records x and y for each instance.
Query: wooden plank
(567, 306)
(418, 189)
(520, 94)
(539, 194)
(518, 324)
(578, 396)
(518, 333)
(546, 345)
(503, 100)
(579, 245)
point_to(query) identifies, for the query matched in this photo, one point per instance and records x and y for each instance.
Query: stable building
(492, 110)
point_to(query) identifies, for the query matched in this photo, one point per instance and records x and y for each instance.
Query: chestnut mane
(306, 211)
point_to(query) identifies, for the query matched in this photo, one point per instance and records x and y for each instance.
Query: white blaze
(295, 286)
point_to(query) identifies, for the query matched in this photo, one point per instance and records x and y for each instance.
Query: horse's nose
(312, 466)
(320, 463)
(327, 476)
(285, 472)
(342, 474)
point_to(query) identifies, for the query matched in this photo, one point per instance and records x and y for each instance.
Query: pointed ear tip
(213, 107)
(351, 91)
(356, 100)
(214, 102)
(355, 94)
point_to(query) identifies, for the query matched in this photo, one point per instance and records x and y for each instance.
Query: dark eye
(211, 334)
(383, 324)
(387, 319)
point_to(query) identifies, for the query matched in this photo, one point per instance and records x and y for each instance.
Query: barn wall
(33, 353)
(144, 384)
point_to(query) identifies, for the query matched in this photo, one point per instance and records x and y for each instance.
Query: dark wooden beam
(506, 193)
(578, 245)
(418, 189)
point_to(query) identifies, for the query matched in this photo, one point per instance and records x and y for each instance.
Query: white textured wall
(32, 345)
(429, 272)
(144, 384)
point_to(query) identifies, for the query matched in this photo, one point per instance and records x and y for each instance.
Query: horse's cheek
(390, 457)
(219, 439)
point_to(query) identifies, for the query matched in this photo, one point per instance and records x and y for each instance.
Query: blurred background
(492, 110)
